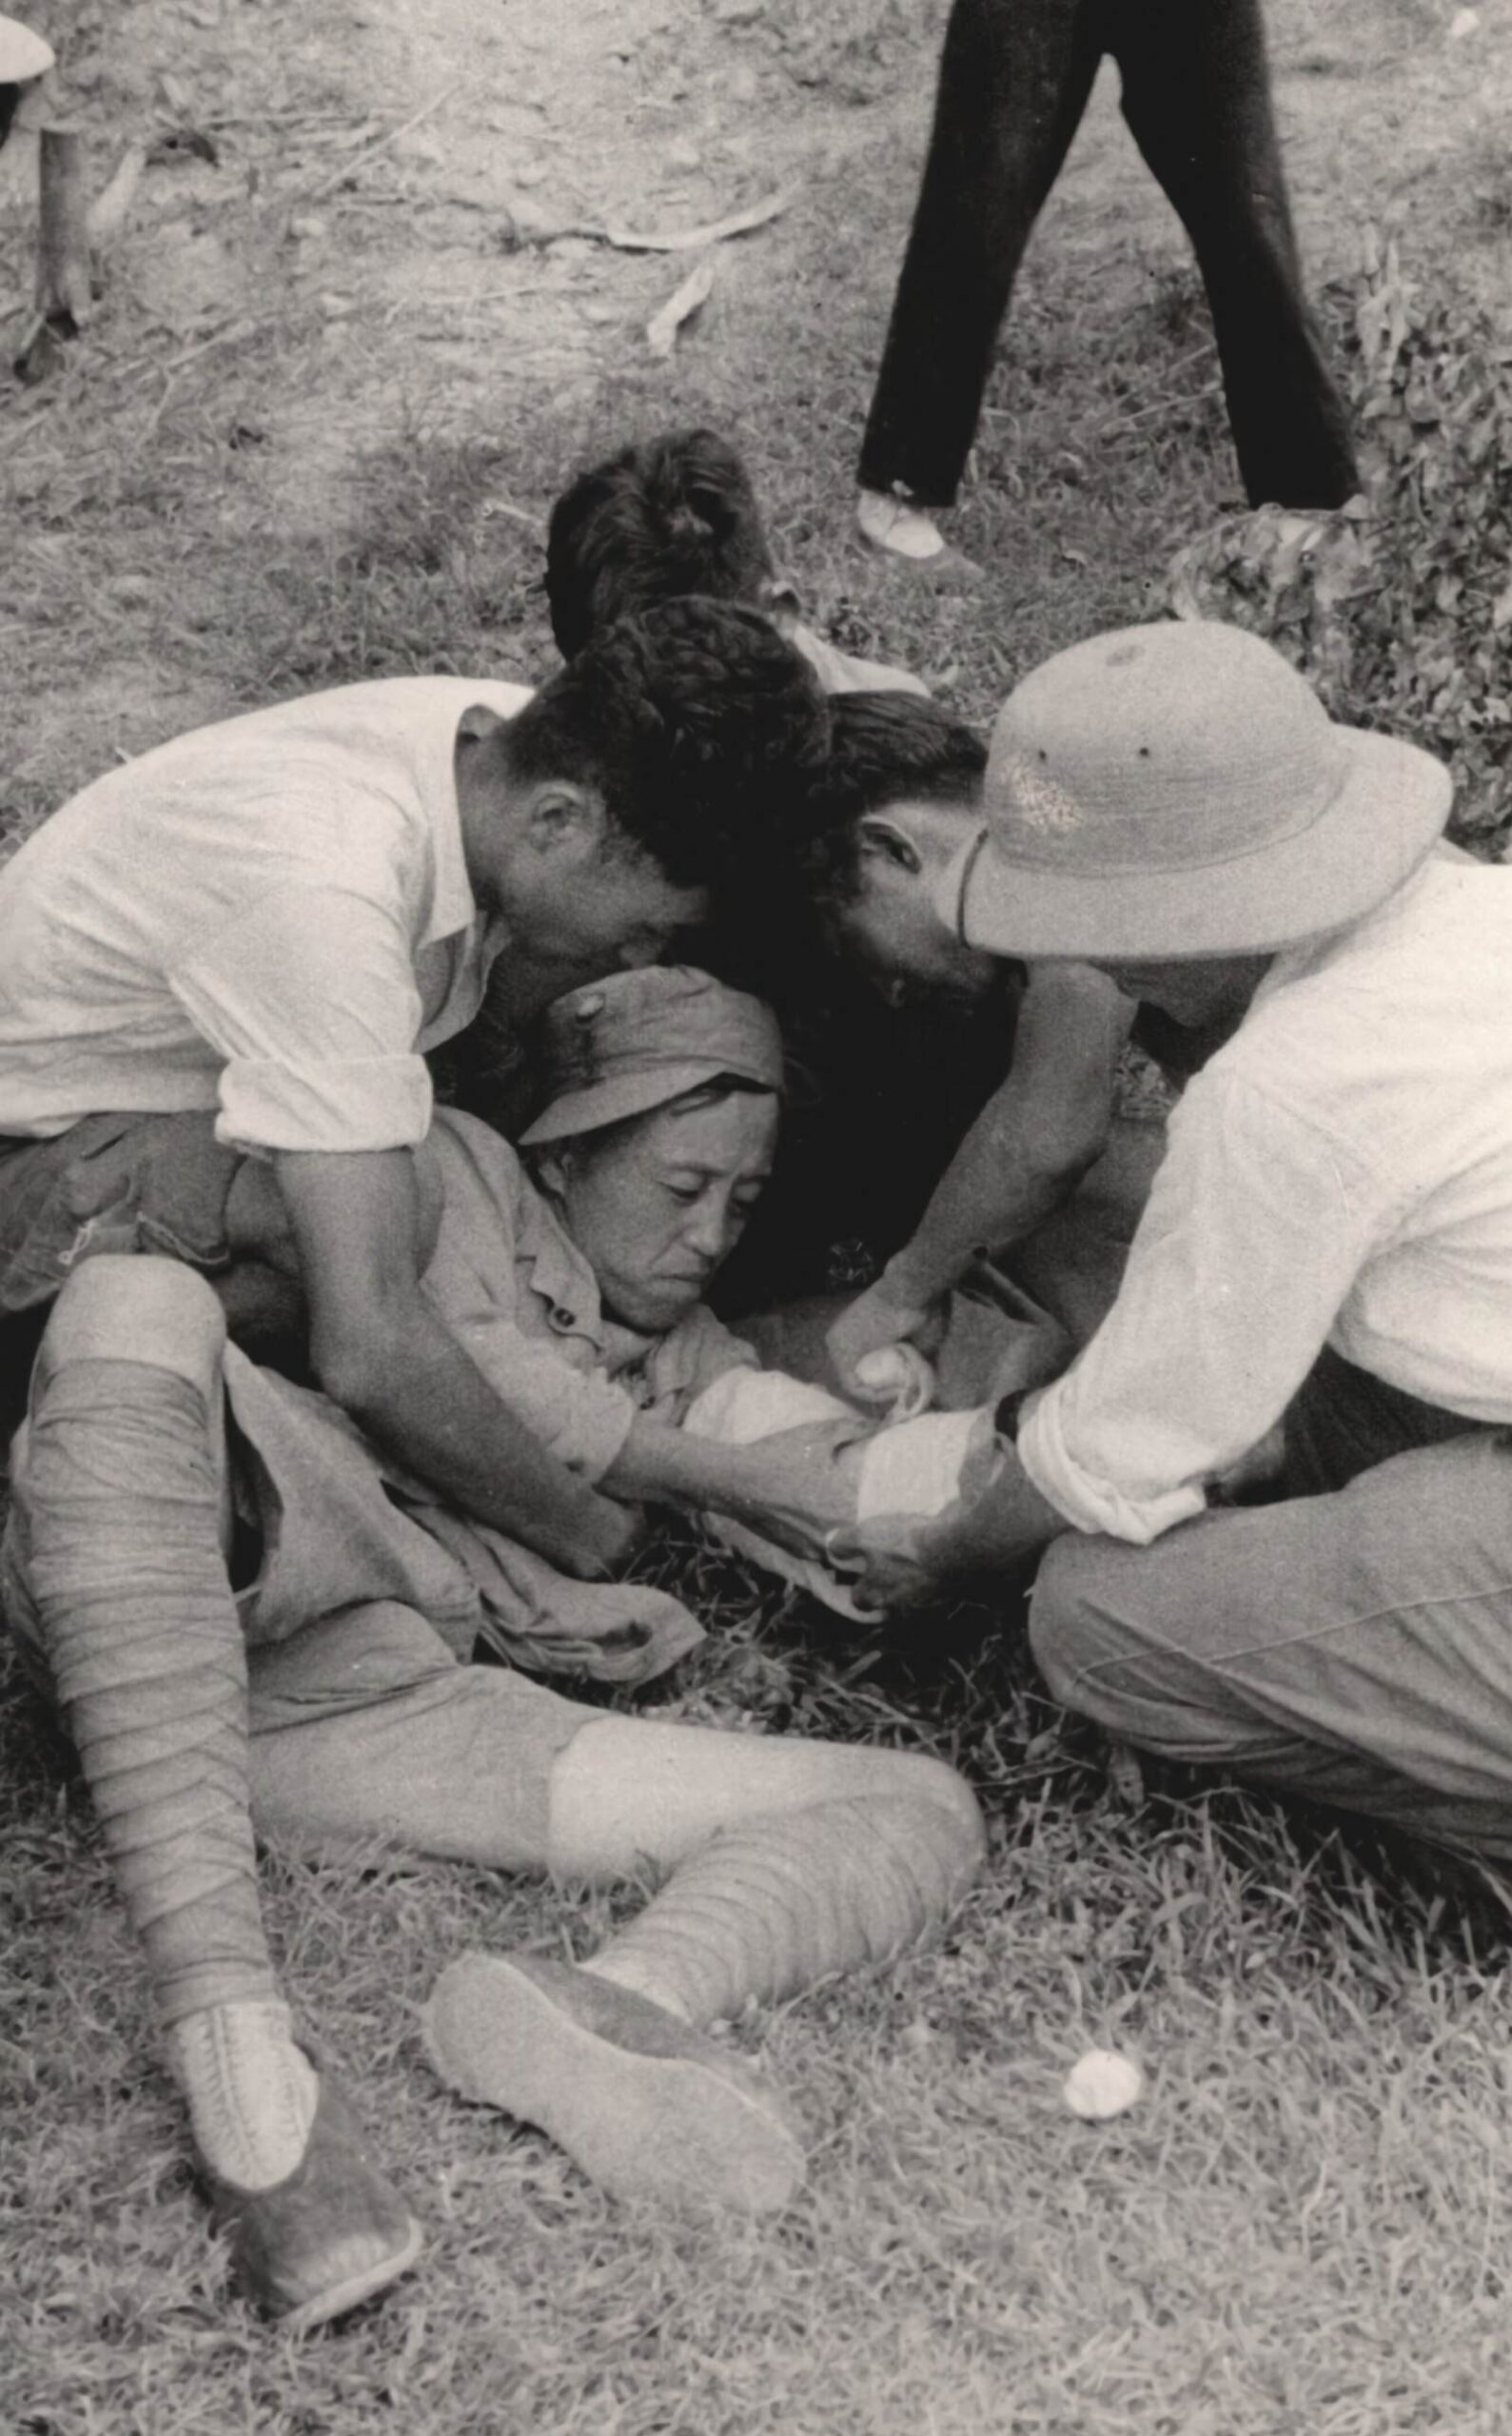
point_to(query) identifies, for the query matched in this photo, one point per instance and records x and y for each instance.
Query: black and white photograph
(755, 1218)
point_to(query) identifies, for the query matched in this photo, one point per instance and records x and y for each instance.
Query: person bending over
(154, 1451)
(671, 516)
(1021, 1066)
(898, 799)
(243, 942)
(1327, 1245)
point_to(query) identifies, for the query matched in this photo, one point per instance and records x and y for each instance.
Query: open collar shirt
(1340, 1174)
(270, 916)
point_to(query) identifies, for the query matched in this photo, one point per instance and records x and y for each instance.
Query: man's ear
(478, 723)
(549, 1166)
(781, 603)
(883, 841)
(562, 816)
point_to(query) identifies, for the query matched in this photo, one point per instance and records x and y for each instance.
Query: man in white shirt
(1327, 1245)
(221, 962)
(243, 943)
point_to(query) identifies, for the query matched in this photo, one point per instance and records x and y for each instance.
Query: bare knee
(137, 1307)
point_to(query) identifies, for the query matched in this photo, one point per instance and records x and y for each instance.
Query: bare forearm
(1006, 1525)
(995, 1191)
(1044, 1127)
(670, 1467)
(796, 1486)
(677, 1467)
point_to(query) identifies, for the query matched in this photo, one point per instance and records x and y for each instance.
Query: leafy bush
(1399, 606)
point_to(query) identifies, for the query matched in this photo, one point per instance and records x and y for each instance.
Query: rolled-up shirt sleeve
(310, 997)
(1258, 1224)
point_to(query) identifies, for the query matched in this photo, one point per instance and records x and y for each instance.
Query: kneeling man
(1327, 1243)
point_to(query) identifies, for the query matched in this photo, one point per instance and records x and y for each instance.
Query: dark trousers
(1014, 79)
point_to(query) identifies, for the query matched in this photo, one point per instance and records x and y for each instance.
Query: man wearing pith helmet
(1328, 1247)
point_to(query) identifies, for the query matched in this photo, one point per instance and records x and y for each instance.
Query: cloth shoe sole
(645, 2105)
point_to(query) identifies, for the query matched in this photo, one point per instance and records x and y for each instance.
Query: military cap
(632, 1042)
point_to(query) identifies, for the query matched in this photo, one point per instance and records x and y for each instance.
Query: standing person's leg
(1354, 1648)
(1197, 98)
(115, 1569)
(788, 1861)
(1014, 78)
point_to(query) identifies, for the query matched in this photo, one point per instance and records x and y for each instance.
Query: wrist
(671, 1466)
(915, 1277)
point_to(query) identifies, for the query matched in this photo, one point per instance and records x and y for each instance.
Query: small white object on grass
(1103, 2083)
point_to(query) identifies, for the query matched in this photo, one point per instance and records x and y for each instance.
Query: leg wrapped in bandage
(612, 2060)
(119, 1484)
(774, 1905)
(117, 1546)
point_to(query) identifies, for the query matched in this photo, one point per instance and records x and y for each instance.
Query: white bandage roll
(916, 1467)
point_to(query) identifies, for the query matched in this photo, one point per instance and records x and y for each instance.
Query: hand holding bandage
(829, 1471)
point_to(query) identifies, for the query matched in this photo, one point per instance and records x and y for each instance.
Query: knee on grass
(1067, 1618)
(1097, 1639)
(134, 1306)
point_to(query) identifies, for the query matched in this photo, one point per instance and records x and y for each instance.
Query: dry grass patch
(1304, 2226)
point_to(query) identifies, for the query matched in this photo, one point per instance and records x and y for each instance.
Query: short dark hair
(701, 729)
(883, 748)
(665, 517)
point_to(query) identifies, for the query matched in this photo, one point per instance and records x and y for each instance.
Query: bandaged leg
(791, 1862)
(365, 1726)
(773, 1906)
(117, 1547)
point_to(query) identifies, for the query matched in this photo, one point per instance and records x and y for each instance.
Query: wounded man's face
(656, 1204)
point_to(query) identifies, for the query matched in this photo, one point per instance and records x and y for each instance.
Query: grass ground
(310, 437)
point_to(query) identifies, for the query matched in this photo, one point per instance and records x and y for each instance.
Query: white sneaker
(891, 523)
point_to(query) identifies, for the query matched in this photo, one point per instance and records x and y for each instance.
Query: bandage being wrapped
(916, 1467)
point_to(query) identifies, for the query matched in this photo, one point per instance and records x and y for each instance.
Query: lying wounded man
(253, 1617)
(576, 1281)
